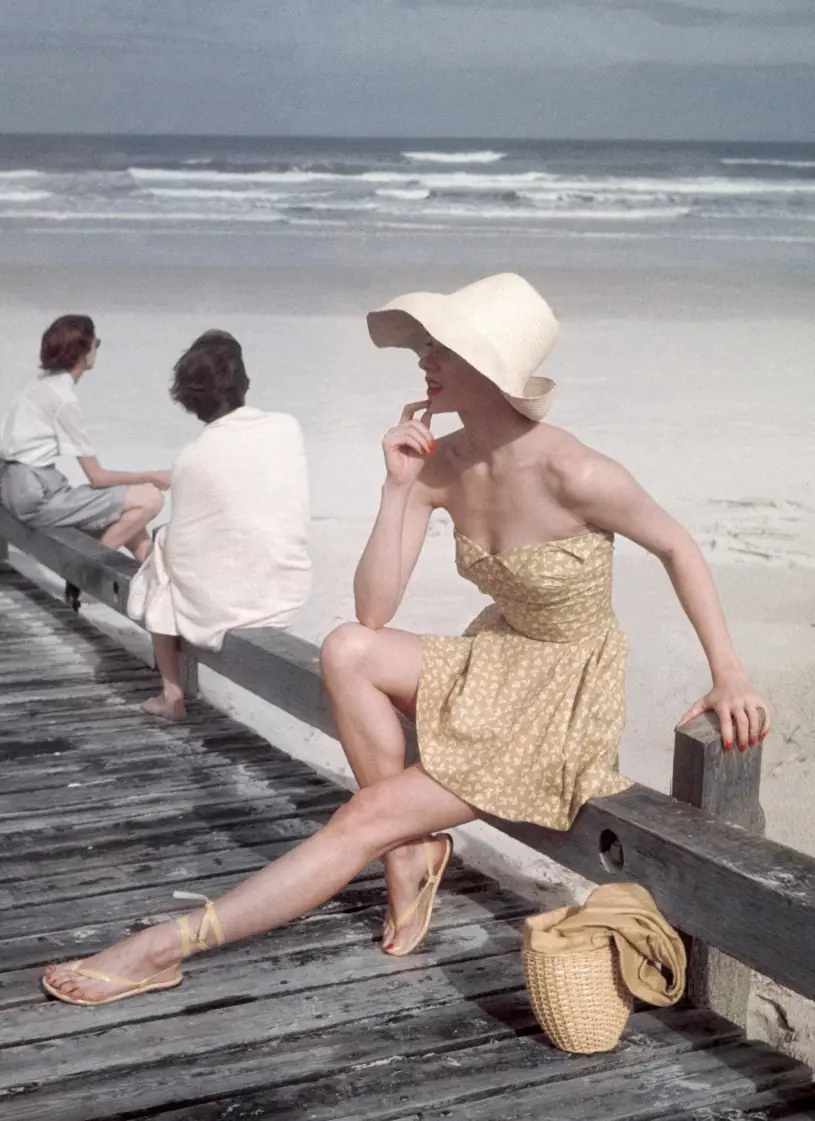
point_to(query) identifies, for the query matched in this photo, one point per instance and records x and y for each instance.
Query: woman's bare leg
(140, 546)
(142, 502)
(170, 702)
(376, 819)
(366, 673)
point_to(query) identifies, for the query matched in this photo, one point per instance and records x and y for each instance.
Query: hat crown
(514, 320)
(500, 325)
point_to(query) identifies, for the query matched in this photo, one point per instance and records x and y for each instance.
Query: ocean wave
(212, 193)
(23, 173)
(486, 156)
(539, 214)
(754, 161)
(487, 182)
(407, 194)
(168, 175)
(23, 196)
(106, 216)
(451, 180)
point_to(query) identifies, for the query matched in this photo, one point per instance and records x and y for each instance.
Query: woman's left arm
(604, 494)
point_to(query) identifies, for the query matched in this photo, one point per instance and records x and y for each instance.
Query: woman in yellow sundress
(521, 716)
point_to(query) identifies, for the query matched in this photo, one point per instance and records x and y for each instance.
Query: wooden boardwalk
(104, 812)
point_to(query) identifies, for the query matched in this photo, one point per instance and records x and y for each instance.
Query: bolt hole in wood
(611, 852)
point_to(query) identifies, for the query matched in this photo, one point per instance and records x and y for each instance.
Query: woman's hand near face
(406, 445)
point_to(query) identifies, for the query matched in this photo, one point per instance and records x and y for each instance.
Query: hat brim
(409, 320)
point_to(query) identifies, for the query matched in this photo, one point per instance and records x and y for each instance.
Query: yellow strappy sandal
(191, 943)
(425, 898)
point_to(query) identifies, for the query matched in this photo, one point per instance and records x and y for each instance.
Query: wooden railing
(743, 902)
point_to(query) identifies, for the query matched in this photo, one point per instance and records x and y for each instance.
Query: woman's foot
(166, 707)
(153, 953)
(406, 874)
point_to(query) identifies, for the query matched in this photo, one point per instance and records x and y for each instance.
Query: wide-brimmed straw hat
(500, 325)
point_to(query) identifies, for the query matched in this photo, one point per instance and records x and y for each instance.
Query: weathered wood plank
(241, 820)
(163, 872)
(99, 854)
(660, 1088)
(348, 941)
(218, 1002)
(106, 768)
(727, 785)
(363, 926)
(794, 1104)
(300, 1067)
(147, 905)
(92, 727)
(146, 808)
(141, 795)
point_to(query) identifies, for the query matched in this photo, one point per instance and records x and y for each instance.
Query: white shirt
(44, 421)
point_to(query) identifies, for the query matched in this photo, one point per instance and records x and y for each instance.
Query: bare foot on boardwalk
(406, 874)
(153, 953)
(165, 707)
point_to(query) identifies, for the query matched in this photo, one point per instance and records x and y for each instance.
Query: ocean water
(240, 199)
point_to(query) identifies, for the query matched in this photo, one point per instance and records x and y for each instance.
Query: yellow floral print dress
(522, 715)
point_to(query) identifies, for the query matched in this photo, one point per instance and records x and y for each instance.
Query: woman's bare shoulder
(568, 462)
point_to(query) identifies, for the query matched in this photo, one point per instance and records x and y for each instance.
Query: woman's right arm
(72, 439)
(99, 477)
(401, 524)
(391, 553)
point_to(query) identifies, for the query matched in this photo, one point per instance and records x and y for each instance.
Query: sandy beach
(700, 382)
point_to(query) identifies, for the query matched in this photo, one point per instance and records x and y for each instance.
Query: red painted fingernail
(742, 747)
(763, 736)
(753, 742)
(390, 945)
(728, 745)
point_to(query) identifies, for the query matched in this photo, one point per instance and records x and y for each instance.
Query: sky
(672, 69)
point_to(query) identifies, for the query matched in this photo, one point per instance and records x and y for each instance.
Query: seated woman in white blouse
(235, 550)
(43, 422)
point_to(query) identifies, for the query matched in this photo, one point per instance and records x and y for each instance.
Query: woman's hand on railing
(743, 715)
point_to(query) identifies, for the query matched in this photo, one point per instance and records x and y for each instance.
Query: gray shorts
(42, 496)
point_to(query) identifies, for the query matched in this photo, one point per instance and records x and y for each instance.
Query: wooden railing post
(189, 675)
(726, 784)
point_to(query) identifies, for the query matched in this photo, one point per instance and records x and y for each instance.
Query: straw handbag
(584, 965)
(579, 999)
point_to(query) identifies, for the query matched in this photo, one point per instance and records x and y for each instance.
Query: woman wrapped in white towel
(235, 550)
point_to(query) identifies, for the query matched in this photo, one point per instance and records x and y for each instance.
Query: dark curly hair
(66, 342)
(210, 377)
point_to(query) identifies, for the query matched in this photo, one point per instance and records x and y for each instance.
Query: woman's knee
(367, 821)
(345, 649)
(146, 498)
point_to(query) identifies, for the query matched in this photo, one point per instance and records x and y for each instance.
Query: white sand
(702, 384)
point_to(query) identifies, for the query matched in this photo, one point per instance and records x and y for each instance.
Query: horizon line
(400, 138)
